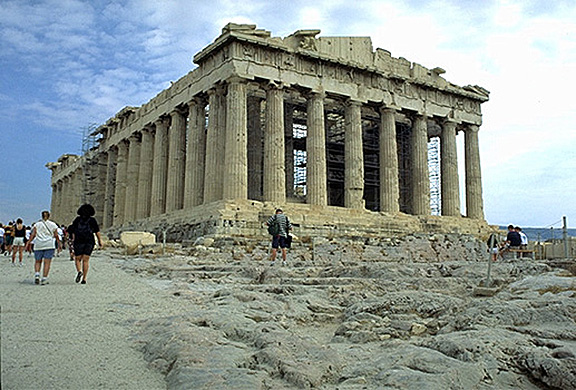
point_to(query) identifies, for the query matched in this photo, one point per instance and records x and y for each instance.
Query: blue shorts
(279, 241)
(47, 254)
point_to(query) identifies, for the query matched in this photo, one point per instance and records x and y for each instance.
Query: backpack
(83, 231)
(274, 228)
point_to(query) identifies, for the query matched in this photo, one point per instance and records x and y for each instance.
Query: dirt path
(70, 336)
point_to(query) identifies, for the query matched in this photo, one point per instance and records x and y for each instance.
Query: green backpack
(274, 228)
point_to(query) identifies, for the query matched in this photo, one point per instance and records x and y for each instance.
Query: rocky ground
(363, 314)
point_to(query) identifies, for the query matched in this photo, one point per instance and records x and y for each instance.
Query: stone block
(137, 238)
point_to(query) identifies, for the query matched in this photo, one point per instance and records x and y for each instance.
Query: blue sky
(68, 64)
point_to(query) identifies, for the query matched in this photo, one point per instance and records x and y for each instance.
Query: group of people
(45, 238)
(515, 239)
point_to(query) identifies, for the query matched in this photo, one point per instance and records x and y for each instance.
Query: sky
(67, 65)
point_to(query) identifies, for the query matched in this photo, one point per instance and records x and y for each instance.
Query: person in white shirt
(46, 240)
(2, 232)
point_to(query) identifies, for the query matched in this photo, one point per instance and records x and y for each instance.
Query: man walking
(278, 227)
(45, 235)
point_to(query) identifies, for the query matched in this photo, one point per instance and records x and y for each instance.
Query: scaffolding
(89, 165)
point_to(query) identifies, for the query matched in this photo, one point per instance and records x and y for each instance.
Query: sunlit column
(108, 216)
(132, 172)
(236, 156)
(160, 166)
(420, 173)
(145, 174)
(274, 170)
(316, 179)
(449, 182)
(389, 183)
(120, 190)
(474, 206)
(195, 153)
(176, 161)
(353, 156)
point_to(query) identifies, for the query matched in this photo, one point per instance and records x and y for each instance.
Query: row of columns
(179, 162)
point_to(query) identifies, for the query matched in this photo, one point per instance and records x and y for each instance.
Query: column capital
(197, 101)
(176, 111)
(316, 94)
(273, 85)
(389, 108)
(162, 121)
(351, 102)
(471, 127)
(135, 137)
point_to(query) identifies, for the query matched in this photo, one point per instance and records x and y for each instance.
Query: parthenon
(327, 128)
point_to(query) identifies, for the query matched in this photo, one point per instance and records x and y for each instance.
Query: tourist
(83, 230)
(45, 238)
(2, 232)
(493, 246)
(513, 240)
(8, 237)
(19, 241)
(69, 242)
(523, 237)
(523, 240)
(278, 227)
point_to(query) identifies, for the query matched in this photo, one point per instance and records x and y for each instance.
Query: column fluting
(316, 179)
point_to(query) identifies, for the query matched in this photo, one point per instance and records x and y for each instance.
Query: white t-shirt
(44, 235)
(2, 231)
(523, 238)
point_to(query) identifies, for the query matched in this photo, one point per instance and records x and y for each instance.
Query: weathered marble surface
(344, 315)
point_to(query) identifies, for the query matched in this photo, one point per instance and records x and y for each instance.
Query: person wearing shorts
(8, 237)
(45, 237)
(83, 230)
(19, 241)
(2, 231)
(279, 240)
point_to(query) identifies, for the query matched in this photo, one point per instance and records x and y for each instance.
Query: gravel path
(70, 336)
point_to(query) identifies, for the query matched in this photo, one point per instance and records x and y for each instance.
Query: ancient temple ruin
(326, 128)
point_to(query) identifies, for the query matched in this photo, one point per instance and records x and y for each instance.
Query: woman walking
(19, 241)
(46, 241)
(83, 230)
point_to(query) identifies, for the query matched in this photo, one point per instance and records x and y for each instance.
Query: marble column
(236, 156)
(99, 190)
(289, 147)
(474, 204)
(160, 166)
(214, 155)
(176, 161)
(316, 176)
(109, 189)
(69, 198)
(274, 169)
(132, 173)
(449, 182)
(256, 149)
(389, 176)
(120, 190)
(145, 174)
(419, 158)
(54, 201)
(353, 156)
(195, 153)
